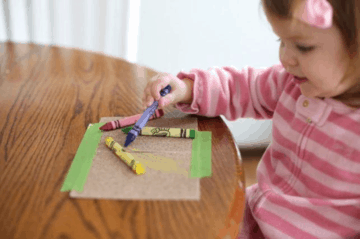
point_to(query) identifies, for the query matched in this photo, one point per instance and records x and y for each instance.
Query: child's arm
(245, 93)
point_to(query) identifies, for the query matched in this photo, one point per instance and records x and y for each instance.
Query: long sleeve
(245, 93)
(308, 178)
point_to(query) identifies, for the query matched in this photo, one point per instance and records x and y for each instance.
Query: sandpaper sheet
(167, 163)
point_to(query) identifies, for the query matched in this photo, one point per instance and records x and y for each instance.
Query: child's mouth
(299, 80)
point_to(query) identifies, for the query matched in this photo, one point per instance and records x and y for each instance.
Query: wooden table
(48, 97)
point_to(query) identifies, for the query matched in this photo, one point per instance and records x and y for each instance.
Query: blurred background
(167, 36)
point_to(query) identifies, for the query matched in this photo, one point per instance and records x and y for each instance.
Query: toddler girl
(309, 177)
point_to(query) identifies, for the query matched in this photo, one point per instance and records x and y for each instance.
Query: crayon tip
(139, 168)
(129, 138)
(106, 127)
(126, 143)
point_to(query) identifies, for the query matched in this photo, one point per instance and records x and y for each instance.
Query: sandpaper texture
(167, 163)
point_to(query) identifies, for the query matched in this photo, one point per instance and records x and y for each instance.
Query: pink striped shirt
(309, 177)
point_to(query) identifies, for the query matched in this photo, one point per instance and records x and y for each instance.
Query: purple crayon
(134, 132)
(129, 121)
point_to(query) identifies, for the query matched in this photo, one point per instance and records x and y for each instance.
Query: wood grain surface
(48, 97)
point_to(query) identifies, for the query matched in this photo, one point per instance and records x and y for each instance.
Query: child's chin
(309, 94)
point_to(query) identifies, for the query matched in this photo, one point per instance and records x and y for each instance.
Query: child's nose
(287, 59)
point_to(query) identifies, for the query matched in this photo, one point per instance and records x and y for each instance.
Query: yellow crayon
(165, 132)
(127, 158)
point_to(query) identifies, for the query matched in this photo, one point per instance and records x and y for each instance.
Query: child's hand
(181, 90)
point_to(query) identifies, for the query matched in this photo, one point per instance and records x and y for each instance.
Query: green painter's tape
(192, 134)
(201, 155)
(81, 165)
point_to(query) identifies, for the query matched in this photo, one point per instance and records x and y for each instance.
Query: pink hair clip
(318, 13)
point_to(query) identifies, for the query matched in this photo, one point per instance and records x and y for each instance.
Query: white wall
(180, 35)
(166, 35)
(93, 25)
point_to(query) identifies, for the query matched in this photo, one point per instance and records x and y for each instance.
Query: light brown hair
(346, 17)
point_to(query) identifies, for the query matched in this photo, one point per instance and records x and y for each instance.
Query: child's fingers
(147, 89)
(154, 92)
(161, 86)
(145, 94)
(143, 99)
(149, 100)
(166, 100)
(158, 85)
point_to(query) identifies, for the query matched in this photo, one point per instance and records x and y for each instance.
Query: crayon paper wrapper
(167, 161)
(166, 132)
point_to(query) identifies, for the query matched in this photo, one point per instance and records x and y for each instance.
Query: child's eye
(303, 49)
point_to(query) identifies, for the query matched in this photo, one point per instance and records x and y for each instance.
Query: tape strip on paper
(200, 166)
(81, 165)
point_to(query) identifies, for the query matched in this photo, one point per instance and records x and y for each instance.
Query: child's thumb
(166, 100)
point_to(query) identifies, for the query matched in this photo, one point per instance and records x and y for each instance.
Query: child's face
(321, 57)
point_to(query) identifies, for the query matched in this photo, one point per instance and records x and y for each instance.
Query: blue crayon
(134, 132)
